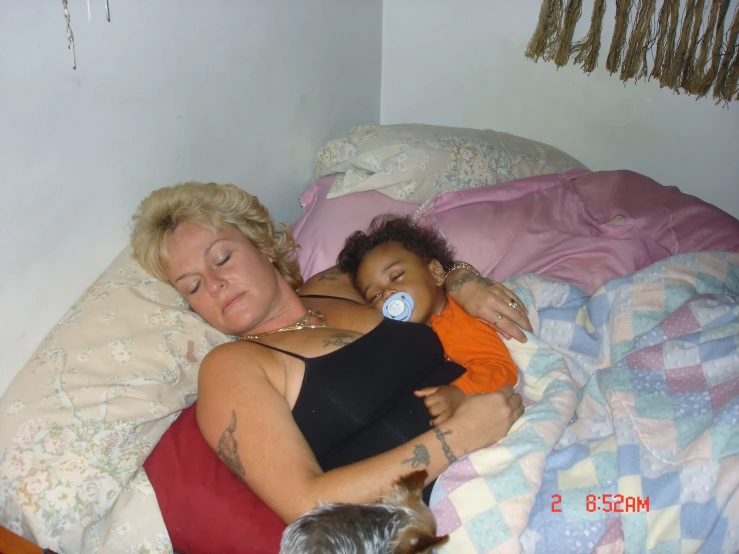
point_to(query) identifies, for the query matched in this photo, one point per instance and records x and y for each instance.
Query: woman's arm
(490, 302)
(480, 297)
(248, 423)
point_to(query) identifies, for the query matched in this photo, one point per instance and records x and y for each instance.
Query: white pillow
(413, 162)
(80, 418)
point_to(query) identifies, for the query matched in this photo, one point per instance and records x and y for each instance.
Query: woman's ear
(437, 271)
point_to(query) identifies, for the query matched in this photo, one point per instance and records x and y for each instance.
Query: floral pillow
(413, 162)
(78, 421)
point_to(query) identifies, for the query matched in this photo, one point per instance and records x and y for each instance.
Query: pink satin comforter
(582, 227)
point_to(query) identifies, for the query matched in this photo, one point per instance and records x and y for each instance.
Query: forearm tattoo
(339, 339)
(466, 277)
(332, 274)
(450, 457)
(228, 449)
(420, 456)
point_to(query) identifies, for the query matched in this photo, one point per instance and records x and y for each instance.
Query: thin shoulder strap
(293, 354)
(326, 296)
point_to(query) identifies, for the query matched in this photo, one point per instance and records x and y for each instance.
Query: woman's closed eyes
(196, 286)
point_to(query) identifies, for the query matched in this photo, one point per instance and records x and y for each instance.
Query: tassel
(623, 7)
(586, 51)
(678, 59)
(689, 65)
(733, 80)
(635, 59)
(668, 55)
(572, 15)
(718, 45)
(714, 35)
(663, 26)
(553, 34)
(538, 44)
(725, 84)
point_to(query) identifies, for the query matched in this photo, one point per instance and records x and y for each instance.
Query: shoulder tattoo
(228, 449)
(331, 274)
(339, 339)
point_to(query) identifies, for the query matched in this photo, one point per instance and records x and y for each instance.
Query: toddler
(400, 267)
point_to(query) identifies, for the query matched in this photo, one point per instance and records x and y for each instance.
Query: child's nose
(388, 293)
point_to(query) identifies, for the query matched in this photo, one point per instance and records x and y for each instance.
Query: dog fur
(397, 524)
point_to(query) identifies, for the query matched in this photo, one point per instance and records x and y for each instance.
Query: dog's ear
(421, 544)
(414, 481)
(407, 490)
(419, 534)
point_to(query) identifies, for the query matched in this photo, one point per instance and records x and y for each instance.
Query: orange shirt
(476, 347)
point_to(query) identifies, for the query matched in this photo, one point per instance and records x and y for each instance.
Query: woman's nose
(214, 284)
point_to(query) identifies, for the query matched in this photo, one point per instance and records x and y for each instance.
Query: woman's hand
(490, 302)
(484, 419)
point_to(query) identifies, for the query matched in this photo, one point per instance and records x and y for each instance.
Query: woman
(314, 400)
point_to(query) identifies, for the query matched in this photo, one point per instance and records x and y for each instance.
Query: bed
(631, 376)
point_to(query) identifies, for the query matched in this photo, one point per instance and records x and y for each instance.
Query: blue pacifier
(399, 306)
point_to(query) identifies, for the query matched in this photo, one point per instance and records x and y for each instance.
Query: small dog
(397, 524)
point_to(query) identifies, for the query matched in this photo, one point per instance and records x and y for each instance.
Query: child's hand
(441, 401)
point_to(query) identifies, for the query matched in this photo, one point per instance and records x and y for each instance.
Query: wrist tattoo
(228, 449)
(420, 456)
(450, 457)
(464, 278)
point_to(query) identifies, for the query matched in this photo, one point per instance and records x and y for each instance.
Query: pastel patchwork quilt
(632, 441)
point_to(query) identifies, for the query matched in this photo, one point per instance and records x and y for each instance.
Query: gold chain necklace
(297, 326)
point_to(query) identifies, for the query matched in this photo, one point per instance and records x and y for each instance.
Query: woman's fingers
(514, 310)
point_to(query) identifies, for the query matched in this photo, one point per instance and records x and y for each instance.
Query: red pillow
(206, 508)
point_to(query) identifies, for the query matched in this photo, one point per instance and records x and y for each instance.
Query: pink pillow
(582, 227)
(564, 226)
(325, 224)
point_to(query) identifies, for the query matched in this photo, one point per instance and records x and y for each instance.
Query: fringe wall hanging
(694, 47)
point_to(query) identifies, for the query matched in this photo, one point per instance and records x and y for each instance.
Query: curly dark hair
(422, 241)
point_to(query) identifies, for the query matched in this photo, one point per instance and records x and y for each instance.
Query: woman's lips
(231, 301)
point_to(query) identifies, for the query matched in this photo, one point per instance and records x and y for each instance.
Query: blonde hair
(213, 207)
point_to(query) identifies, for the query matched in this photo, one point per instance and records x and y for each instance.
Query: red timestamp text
(608, 503)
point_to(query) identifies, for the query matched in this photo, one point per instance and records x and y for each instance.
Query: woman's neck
(288, 309)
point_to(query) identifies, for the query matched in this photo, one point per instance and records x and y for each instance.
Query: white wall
(461, 63)
(171, 90)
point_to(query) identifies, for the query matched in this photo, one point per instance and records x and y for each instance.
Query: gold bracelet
(462, 265)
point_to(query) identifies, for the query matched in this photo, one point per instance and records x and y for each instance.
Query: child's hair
(423, 242)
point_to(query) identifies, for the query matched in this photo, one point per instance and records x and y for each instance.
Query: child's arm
(441, 402)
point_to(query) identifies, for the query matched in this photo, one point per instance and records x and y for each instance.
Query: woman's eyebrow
(205, 253)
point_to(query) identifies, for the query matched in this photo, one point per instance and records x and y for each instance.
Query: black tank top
(357, 402)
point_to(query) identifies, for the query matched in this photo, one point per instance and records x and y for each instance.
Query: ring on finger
(497, 320)
(513, 304)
